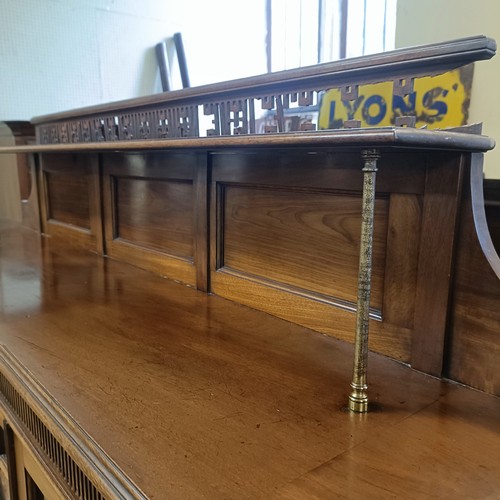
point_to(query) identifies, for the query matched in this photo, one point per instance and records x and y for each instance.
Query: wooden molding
(82, 463)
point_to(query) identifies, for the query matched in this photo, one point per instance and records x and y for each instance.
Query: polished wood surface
(447, 450)
(70, 199)
(285, 238)
(197, 397)
(492, 209)
(151, 212)
(474, 346)
(381, 137)
(418, 187)
(288, 237)
(435, 266)
(284, 226)
(49, 445)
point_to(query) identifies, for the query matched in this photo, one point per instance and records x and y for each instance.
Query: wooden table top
(197, 397)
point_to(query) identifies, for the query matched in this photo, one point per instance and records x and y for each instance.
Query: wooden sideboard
(270, 220)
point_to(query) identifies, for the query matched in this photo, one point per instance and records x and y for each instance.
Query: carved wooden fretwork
(275, 103)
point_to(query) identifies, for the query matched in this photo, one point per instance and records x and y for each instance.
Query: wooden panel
(492, 207)
(403, 244)
(309, 240)
(437, 240)
(318, 169)
(289, 244)
(201, 216)
(155, 214)
(151, 212)
(474, 340)
(68, 198)
(71, 200)
(312, 312)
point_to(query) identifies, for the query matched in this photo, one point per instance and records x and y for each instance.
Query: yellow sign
(438, 102)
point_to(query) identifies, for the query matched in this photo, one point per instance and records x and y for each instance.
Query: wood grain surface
(155, 214)
(309, 240)
(438, 236)
(474, 342)
(151, 212)
(492, 209)
(195, 396)
(70, 199)
(68, 196)
(285, 232)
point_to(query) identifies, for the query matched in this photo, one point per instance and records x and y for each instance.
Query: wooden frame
(279, 179)
(71, 181)
(160, 225)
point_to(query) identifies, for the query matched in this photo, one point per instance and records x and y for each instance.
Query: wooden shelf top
(382, 137)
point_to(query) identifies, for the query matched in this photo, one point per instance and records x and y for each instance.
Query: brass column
(358, 399)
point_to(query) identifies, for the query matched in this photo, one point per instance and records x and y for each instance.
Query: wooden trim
(421, 60)
(473, 346)
(93, 461)
(42, 196)
(387, 137)
(479, 215)
(232, 107)
(95, 205)
(441, 208)
(176, 168)
(91, 237)
(8, 437)
(390, 137)
(201, 214)
(23, 131)
(28, 447)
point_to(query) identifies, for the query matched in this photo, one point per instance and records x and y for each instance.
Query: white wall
(428, 21)
(62, 54)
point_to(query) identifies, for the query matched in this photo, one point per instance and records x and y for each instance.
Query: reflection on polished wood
(197, 397)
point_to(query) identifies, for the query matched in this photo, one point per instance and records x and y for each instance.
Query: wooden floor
(197, 397)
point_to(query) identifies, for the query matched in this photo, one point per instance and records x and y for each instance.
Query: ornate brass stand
(358, 399)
